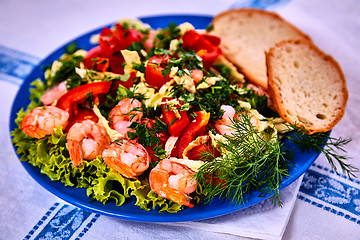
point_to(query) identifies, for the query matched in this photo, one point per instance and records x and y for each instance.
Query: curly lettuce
(103, 184)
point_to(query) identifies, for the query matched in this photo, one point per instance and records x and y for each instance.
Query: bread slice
(307, 87)
(245, 36)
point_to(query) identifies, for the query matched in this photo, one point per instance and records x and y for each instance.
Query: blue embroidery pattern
(64, 224)
(262, 4)
(329, 209)
(15, 65)
(355, 180)
(88, 226)
(41, 221)
(331, 191)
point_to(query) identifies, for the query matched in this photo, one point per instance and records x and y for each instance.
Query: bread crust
(257, 74)
(276, 91)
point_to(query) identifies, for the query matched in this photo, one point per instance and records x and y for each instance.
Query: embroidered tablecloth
(322, 204)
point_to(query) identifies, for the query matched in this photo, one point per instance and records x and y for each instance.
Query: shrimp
(42, 121)
(124, 113)
(54, 93)
(224, 125)
(86, 140)
(127, 157)
(174, 181)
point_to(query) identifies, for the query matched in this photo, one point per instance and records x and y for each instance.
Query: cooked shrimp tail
(174, 181)
(42, 121)
(86, 140)
(51, 95)
(124, 113)
(129, 158)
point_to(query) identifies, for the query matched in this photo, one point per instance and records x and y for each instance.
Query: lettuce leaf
(103, 184)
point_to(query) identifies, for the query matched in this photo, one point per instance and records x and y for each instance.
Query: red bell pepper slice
(197, 153)
(208, 57)
(205, 45)
(101, 64)
(79, 115)
(190, 38)
(192, 130)
(176, 124)
(71, 100)
(111, 42)
(213, 39)
(78, 94)
(215, 181)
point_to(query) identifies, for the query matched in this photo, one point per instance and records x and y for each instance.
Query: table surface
(327, 205)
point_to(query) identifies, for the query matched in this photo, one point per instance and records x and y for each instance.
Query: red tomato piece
(92, 54)
(108, 43)
(153, 72)
(176, 124)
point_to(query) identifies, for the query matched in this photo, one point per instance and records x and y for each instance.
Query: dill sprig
(332, 148)
(253, 161)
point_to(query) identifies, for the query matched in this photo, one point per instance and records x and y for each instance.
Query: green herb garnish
(253, 161)
(323, 143)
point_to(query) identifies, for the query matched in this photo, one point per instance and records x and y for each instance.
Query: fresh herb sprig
(164, 36)
(148, 136)
(66, 71)
(253, 161)
(325, 144)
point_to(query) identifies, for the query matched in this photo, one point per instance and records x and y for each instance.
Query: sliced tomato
(215, 181)
(153, 72)
(93, 53)
(94, 60)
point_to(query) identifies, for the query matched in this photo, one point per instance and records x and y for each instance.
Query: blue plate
(78, 197)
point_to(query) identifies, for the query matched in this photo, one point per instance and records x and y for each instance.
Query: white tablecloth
(325, 206)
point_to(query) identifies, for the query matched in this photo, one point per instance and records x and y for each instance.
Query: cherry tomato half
(154, 67)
